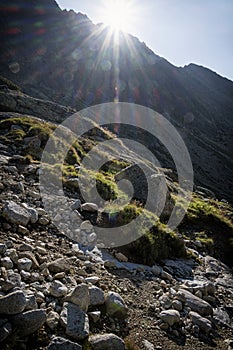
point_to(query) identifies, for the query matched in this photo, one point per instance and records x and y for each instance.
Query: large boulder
(16, 214)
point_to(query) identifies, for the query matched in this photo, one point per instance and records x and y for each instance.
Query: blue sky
(182, 31)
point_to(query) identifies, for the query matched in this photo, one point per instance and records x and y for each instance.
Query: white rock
(24, 264)
(57, 289)
(6, 262)
(80, 296)
(91, 207)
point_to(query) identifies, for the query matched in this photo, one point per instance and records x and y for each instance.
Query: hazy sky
(182, 31)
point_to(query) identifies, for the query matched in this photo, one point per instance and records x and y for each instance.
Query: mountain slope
(64, 57)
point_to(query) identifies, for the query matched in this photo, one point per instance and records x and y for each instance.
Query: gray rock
(179, 267)
(2, 248)
(59, 265)
(29, 321)
(170, 317)
(5, 331)
(221, 315)
(57, 289)
(115, 305)
(195, 303)
(203, 323)
(31, 303)
(80, 296)
(177, 305)
(13, 303)
(6, 262)
(107, 342)
(76, 205)
(16, 214)
(59, 343)
(34, 215)
(75, 320)
(24, 264)
(13, 280)
(96, 296)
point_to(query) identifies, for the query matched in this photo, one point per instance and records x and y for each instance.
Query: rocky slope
(62, 56)
(57, 293)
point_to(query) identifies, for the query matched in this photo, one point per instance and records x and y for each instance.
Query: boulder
(57, 289)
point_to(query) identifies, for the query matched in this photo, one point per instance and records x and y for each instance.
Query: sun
(118, 14)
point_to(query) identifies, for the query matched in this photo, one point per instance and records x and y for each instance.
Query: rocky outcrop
(14, 101)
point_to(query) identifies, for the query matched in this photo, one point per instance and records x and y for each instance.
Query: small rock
(92, 279)
(2, 248)
(13, 303)
(29, 321)
(121, 257)
(7, 263)
(25, 247)
(96, 296)
(203, 323)
(16, 214)
(177, 305)
(57, 289)
(170, 317)
(52, 319)
(94, 315)
(59, 265)
(115, 305)
(107, 342)
(44, 220)
(80, 296)
(75, 321)
(86, 226)
(91, 207)
(24, 264)
(76, 205)
(58, 343)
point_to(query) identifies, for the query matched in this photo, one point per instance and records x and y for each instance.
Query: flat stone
(203, 323)
(59, 343)
(16, 214)
(75, 321)
(57, 289)
(170, 317)
(13, 303)
(96, 296)
(115, 305)
(195, 303)
(29, 321)
(91, 207)
(79, 296)
(106, 342)
(59, 265)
